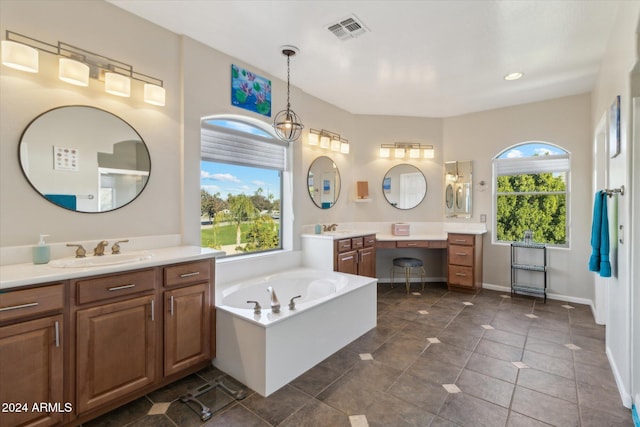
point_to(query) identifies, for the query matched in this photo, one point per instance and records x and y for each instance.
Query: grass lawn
(224, 235)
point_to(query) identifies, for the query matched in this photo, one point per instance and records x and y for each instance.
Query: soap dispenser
(41, 253)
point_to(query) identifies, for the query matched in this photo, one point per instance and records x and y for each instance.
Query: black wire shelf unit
(525, 264)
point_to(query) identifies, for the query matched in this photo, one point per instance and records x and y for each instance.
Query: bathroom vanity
(98, 338)
(348, 249)
(345, 251)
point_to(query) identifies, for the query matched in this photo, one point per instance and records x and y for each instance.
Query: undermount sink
(100, 261)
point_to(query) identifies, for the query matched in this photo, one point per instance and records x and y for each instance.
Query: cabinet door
(31, 362)
(347, 262)
(187, 331)
(367, 262)
(115, 350)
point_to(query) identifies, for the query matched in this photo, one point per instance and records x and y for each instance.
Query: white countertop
(340, 234)
(16, 275)
(418, 230)
(391, 237)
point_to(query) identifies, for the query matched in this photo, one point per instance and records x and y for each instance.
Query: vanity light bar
(328, 140)
(401, 149)
(77, 65)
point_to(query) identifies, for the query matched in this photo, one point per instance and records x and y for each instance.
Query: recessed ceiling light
(513, 76)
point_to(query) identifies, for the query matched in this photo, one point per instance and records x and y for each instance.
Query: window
(531, 182)
(241, 176)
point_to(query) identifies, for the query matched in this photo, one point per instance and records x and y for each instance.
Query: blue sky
(231, 179)
(531, 149)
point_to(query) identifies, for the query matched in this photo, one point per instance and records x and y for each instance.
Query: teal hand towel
(599, 260)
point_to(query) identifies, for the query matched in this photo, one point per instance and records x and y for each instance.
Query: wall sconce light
(77, 65)
(19, 56)
(73, 72)
(344, 146)
(328, 140)
(401, 149)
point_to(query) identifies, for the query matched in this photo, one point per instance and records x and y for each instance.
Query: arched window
(241, 180)
(531, 182)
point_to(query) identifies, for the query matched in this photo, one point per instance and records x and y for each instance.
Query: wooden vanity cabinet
(32, 355)
(464, 261)
(187, 315)
(356, 255)
(139, 330)
(116, 336)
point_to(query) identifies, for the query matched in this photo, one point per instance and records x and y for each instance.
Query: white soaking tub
(266, 351)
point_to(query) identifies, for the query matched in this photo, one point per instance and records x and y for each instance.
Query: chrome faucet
(331, 227)
(275, 304)
(99, 250)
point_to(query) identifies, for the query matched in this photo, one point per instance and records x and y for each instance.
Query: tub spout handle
(292, 304)
(275, 304)
(256, 308)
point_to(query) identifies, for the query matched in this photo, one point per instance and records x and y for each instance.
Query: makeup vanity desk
(463, 254)
(461, 243)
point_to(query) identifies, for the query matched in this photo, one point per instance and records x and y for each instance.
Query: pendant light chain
(288, 81)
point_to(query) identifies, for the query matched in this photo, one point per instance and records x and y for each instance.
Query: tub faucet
(275, 304)
(99, 250)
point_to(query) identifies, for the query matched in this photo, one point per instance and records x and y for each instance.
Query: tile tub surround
(403, 384)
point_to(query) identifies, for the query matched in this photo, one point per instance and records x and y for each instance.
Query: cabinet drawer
(357, 243)
(412, 243)
(343, 245)
(460, 276)
(28, 302)
(438, 244)
(461, 239)
(461, 255)
(369, 240)
(386, 244)
(115, 285)
(182, 274)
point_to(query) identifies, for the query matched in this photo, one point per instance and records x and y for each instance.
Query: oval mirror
(449, 196)
(323, 182)
(84, 159)
(404, 186)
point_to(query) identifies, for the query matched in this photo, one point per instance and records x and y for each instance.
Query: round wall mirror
(404, 186)
(323, 182)
(84, 159)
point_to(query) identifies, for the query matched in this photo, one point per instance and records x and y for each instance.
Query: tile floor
(436, 358)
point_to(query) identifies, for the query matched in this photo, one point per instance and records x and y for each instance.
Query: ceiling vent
(348, 28)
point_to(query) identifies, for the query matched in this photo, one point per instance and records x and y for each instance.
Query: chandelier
(286, 123)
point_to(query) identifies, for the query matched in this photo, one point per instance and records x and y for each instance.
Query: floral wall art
(250, 91)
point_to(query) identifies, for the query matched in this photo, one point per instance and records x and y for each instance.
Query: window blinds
(530, 165)
(228, 146)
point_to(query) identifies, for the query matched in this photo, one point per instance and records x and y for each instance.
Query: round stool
(408, 264)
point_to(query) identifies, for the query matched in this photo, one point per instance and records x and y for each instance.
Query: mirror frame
(386, 186)
(311, 184)
(31, 183)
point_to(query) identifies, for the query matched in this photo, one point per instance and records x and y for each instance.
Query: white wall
(482, 136)
(105, 29)
(613, 80)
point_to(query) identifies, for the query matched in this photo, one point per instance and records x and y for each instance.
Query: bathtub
(266, 351)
